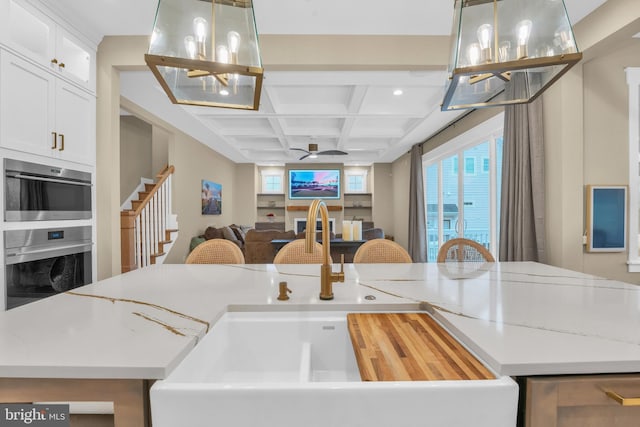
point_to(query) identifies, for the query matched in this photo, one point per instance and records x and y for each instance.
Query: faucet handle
(340, 276)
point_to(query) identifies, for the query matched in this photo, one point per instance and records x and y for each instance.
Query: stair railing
(145, 228)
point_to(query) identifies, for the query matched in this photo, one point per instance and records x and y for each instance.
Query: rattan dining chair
(216, 251)
(381, 251)
(464, 250)
(294, 253)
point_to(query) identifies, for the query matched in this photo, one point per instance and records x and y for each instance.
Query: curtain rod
(445, 127)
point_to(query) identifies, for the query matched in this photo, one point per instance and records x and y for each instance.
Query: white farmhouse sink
(298, 369)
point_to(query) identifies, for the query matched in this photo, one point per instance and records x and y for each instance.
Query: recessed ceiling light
(224, 92)
(397, 92)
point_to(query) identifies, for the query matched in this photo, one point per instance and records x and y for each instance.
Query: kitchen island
(109, 340)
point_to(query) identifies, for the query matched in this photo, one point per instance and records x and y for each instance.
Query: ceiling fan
(313, 152)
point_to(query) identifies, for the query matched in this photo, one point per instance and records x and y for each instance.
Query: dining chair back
(464, 250)
(216, 251)
(381, 251)
(294, 253)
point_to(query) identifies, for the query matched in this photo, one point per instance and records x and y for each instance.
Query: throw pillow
(213, 233)
(229, 234)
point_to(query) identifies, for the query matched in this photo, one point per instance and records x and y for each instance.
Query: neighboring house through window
(465, 204)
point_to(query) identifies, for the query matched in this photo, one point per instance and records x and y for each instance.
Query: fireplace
(300, 224)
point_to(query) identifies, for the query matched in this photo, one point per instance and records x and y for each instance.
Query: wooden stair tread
(159, 254)
(409, 347)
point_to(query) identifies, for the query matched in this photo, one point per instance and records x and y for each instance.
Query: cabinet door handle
(54, 61)
(61, 142)
(55, 140)
(624, 401)
(61, 65)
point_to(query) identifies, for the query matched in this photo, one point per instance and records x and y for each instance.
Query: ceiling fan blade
(300, 149)
(332, 153)
(305, 156)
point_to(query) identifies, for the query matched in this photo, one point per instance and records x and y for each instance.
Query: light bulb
(190, 45)
(200, 29)
(485, 34)
(473, 53)
(233, 41)
(222, 54)
(523, 31)
(504, 51)
(564, 39)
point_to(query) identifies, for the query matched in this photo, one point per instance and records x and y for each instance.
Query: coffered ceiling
(353, 111)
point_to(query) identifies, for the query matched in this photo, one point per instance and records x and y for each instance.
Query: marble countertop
(519, 318)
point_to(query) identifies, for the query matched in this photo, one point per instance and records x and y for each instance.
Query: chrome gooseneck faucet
(327, 276)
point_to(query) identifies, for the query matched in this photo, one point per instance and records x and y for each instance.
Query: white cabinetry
(29, 32)
(42, 114)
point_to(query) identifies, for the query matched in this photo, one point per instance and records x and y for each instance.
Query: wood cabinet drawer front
(582, 401)
(591, 390)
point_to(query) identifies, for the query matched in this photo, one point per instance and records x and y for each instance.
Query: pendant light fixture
(507, 51)
(205, 52)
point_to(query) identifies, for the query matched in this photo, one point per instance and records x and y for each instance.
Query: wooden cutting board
(409, 347)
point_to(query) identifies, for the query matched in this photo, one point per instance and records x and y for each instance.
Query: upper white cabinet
(42, 114)
(29, 32)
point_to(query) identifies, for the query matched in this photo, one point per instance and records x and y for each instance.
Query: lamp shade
(507, 51)
(206, 52)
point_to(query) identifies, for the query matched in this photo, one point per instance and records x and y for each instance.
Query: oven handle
(36, 254)
(40, 178)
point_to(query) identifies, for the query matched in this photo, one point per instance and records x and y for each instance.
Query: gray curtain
(522, 199)
(417, 221)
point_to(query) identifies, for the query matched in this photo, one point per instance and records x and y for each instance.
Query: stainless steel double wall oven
(40, 262)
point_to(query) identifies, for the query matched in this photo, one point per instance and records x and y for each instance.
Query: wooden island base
(130, 397)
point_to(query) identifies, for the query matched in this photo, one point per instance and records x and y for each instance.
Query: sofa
(255, 244)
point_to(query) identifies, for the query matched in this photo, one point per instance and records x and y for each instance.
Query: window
(485, 165)
(469, 165)
(356, 181)
(272, 181)
(465, 203)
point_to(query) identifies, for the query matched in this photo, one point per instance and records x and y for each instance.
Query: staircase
(148, 228)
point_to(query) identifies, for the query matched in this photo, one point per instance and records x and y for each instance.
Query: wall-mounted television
(314, 184)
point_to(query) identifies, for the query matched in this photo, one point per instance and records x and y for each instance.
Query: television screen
(314, 184)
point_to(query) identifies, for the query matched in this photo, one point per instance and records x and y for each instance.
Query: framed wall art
(211, 195)
(606, 218)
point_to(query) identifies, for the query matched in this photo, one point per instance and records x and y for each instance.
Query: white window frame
(633, 81)
(355, 172)
(264, 174)
(490, 130)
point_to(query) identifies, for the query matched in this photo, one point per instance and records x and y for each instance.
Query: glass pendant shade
(507, 51)
(205, 52)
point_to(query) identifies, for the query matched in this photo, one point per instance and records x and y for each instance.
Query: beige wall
(587, 146)
(244, 199)
(135, 154)
(586, 135)
(160, 147)
(382, 186)
(400, 171)
(194, 162)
